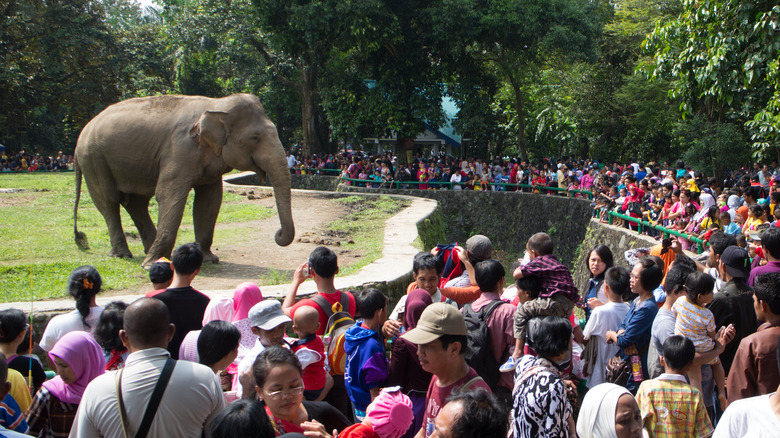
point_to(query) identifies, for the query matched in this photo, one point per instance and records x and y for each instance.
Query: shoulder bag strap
(324, 305)
(154, 401)
(344, 301)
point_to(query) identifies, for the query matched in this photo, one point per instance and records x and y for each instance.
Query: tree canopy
(619, 79)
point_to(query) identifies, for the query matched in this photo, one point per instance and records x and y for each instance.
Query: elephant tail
(80, 237)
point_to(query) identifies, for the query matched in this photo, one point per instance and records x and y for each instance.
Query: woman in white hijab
(733, 203)
(706, 200)
(609, 411)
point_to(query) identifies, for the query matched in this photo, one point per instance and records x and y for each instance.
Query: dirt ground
(257, 253)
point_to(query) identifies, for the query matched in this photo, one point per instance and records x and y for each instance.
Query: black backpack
(479, 356)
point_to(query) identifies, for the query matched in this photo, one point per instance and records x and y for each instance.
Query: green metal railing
(451, 185)
(642, 224)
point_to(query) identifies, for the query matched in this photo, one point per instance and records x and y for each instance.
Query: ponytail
(84, 283)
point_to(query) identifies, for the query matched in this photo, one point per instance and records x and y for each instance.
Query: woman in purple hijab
(405, 368)
(78, 359)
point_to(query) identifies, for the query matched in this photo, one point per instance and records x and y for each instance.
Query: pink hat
(390, 414)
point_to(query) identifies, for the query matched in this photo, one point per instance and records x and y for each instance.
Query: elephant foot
(209, 256)
(121, 253)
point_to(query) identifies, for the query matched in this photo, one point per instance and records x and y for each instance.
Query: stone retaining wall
(508, 218)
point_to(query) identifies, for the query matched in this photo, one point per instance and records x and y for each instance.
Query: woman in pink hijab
(78, 359)
(246, 295)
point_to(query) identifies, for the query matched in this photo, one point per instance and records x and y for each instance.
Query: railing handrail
(667, 232)
(451, 185)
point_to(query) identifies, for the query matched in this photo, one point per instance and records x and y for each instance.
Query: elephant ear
(210, 129)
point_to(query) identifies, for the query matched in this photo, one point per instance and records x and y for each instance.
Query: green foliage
(719, 55)
(710, 146)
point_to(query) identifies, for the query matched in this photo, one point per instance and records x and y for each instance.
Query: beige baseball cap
(437, 320)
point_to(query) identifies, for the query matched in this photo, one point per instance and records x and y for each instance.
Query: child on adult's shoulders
(557, 296)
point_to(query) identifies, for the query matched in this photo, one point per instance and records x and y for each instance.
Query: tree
(518, 39)
(59, 65)
(719, 56)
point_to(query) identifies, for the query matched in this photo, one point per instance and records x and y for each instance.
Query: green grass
(37, 251)
(275, 276)
(365, 225)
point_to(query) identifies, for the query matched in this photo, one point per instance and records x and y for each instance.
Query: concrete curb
(395, 263)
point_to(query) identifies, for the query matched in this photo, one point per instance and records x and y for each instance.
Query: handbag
(635, 208)
(618, 370)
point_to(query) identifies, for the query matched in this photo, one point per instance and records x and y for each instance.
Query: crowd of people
(33, 162)
(674, 197)
(668, 347)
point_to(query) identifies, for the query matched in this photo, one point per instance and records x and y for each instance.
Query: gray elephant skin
(164, 146)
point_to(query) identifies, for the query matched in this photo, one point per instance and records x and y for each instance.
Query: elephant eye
(254, 138)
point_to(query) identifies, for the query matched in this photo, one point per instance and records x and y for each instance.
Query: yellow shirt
(19, 390)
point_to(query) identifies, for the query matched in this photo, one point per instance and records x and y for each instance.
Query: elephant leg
(208, 200)
(138, 208)
(106, 200)
(171, 199)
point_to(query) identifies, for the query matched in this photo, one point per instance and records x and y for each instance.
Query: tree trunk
(521, 140)
(311, 140)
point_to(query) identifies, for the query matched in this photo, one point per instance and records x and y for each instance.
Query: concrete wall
(508, 218)
(618, 239)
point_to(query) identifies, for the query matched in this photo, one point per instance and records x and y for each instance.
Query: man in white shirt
(191, 399)
(754, 417)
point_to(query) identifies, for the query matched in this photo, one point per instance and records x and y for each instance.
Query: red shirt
(313, 374)
(437, 396)
(359, 430)
(332, 298)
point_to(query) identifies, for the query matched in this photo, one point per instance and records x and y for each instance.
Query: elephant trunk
(279, 176)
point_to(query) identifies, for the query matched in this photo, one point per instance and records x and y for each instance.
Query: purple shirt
(554, 276)
(767, 268)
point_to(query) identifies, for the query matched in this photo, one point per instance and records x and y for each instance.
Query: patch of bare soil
(251, 256)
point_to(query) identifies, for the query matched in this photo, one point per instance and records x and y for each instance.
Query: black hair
(541, 243)
(107, 329)
(651, 275)
(675, 278)
(12, 323)
(426, 260)
(488, 274)
(720, 241)
(216, 340)
(756, 210)
(618, 279)
(187, 258)
(697, 284)
(24, 346)
(604, 253)
(770, 240)
(83, 284)
(767, 289)
(549, 336)
(482, 415)
(324, 262)
(446, 340)
(272, 357)
(3, 370)
(242, 418)
(530, 284)
(369, 301)
(678, 352)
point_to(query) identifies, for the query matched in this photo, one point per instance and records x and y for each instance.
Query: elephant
(164, 146)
